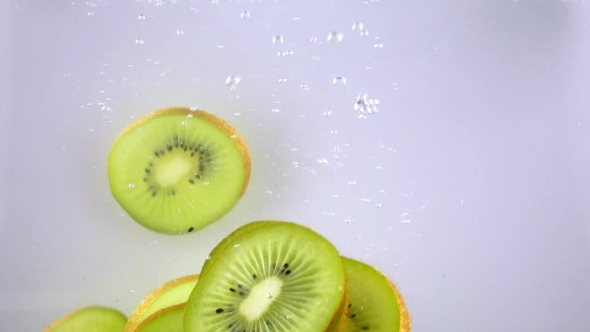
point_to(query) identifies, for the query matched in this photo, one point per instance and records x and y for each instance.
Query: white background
(470, 187)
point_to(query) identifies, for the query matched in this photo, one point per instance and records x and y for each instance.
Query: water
(365, 106)
(232, 81)
(335, 37)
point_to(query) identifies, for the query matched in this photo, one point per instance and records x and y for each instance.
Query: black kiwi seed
(219, 310)
(232, 290)
(353, 315)
(169, 147)
(191, 181)
(191, 229)
(365, 328)
(254, 276)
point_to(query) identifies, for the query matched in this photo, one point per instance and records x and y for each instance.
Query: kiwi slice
(178, 170)
(279, 277)
(166, 320)
(172, 293)
(374, 304)
(228, 239)
(90, 319)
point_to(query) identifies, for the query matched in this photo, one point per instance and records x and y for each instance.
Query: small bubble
(131, 185)
(378, 45)
(335, 37)
(179, 32)
(364, 33)
(141, 17)
(366, 106)
(232, 81)
(183, 123)
(278, 39)
(132, 291)
(219, 46)
(339, 80)
(282, 80)
(139, 41)
(407, 221)
(276, 110)
(189, 116)
(382, 191)
(295, 164)
(288, 316)
(304, 86)
(269, 295)
(358, 25)
(378, 205)
(90, 13)
(236, 245)
(245, 14)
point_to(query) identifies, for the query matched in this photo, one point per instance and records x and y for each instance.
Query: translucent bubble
(276, 110)
(278, 39)
(236, 245)
(357, 25)
(189, 116)
(141, 17)
(131, 186)
(245, 14)
(139, 41)
(335, 37)
(232, 81)
(179, 32)
(364, 33)
(365, 106)
(339, 80)
(378, 45)
(183, 123)
(282, 80)
(269, 295)
(304, 86)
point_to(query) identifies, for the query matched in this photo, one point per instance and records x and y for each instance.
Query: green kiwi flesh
(172, 293)
(228, 239)
(165, 320)
(280, 277)
(372, 300)
(90, 319)
(178, 170)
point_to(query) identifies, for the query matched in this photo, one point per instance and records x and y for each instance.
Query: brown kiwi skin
(217, 122)
(405, 322)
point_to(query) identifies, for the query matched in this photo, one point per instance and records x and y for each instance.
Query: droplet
(407, 221)
(335, 37)
(131, 186)
(90, 13)
(366, 106)
(378, 205)
(357, 25)
(189, 116)
(139, 41)
(232, 81)
(276, 110)
(183, 123)
(245, 14)
(278, 39)
(236, 245)
(282, 80)
(304, 86)
(364, 33)
(269, 295)
(179, 32)
(141, 17)
(378, 45)
(382, 191)
(339, 80)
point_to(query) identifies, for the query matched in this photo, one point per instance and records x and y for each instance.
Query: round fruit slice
(90, 319)
(178, 170)
(374, 304)
(166, 320)
(172, 293)
(227, 240)
(278, 277)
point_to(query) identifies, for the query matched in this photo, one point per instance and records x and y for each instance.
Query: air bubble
(278, 39)
(131, 186)
(304, 86)
(141, 17)
(378, 45)
(357, 25)
(282, 80)
(269, 295)
(364, 33)
(232, 81)
(189, 116)
(183, 123)
(365, 106)
(236, 245)
(276, 110)
(339, 80)
(245, 14)
(139, 41)
(335, 37)
(179, 32)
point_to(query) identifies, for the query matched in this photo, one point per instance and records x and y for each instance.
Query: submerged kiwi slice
(374, 304)
(90, 319)
(166, 320)
(177, 170)
(170, 294)
(280, 277)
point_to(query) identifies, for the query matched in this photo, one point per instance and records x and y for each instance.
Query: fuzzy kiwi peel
(373, 301)
(169, 319)
(270, 276)
(172, 293)
(90, 319)
(178, 170)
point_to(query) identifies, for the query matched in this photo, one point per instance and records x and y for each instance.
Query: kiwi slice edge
(145, 306)
(168, 316)
(89, 316)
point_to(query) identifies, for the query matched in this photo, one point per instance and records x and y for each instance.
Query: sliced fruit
(165, 320)
(172, 293)
(224, 243)
(90, 319)
(177, 170)
(374, 304)
(279, 277)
